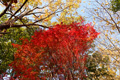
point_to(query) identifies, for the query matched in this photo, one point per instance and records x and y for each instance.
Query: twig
(5, 10)
(19, 9)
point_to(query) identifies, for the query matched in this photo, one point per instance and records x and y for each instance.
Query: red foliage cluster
(58, 52)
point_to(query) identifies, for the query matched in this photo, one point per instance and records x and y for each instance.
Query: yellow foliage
(65, 9)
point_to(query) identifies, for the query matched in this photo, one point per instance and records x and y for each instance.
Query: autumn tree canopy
(55, 52)
(58, 51)
(29, 14)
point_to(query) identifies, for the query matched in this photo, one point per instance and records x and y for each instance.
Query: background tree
(107, 23)
(115, 5)
(97, 65)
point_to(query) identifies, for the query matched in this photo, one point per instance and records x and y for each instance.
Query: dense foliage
(58, 52)
(97, 67)
(115, 4)
(6, 49)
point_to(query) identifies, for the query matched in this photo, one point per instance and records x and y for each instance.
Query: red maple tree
(58, 52)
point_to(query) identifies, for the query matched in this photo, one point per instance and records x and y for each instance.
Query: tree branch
(109, 15)
(4, 32)
(5, 10)
(10, 22)
(21, 25)
(19, 9)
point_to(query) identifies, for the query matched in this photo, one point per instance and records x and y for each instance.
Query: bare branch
(19, 9)
(5, 10)
(51, 14)
(10, 22)
(109, 15)
(35, 13)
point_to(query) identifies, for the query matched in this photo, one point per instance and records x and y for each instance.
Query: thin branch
(10, 23)
(22, 11)
(112, 43)
(4, 32)
(35, 13)
(110, 16)
(26, 26)
(26, 13)
(21, 25)
(50, 15)
(5, 10)
(19, 9)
